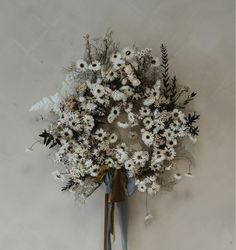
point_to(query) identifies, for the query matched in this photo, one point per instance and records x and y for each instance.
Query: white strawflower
(149, 101)
(128, 69)
(135, 82)
(118, 95)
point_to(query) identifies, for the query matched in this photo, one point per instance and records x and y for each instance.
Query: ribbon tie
(117, 187)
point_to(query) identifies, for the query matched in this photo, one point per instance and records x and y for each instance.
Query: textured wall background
(37, 39)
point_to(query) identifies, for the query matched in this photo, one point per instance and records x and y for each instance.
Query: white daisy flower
(177, 176)
(158, 156)
(58, 176)
(175, 125)
(147, 138)
(144, 111)
(155, 166)
(171, 143)
(67, 133)
(141, 187)
(113, 138)
(75, 124)
(88, 164)
(127, 90)
(168, 168)
(154, 188)
(111, 75)
(81, 65)
(170, 154)
(121, 155)
(115, 111)
(159, 125)
(109, 162)
(148, 217)
(90, 106)
(155, 62)
(128, 53)
(89, 121)
(148, 122)
(189, 174)
(181, 132)
(129, 165)
(178, 114)
(94, 170)
(115, 57)
(168, 134)
(98, 90)
(140, 157)
(95, 66)
(155, 93)
(100, 134)
(118, 64)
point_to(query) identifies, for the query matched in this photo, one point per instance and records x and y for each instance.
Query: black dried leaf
(165, 71)
(188, 100)
(173, 88)
(191, 118)
(194, 131)
(69, 184)
(49, 139)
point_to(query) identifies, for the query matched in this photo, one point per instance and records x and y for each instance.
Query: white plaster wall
(38, 38)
